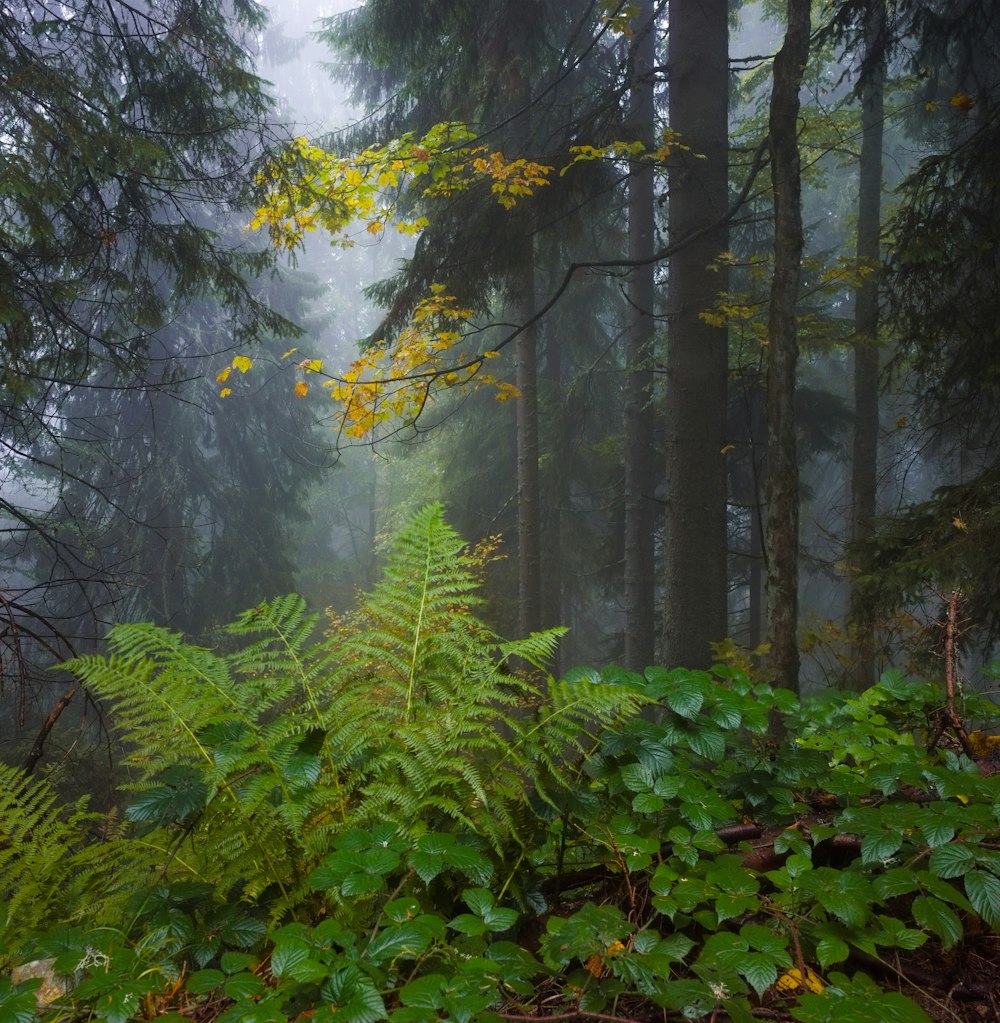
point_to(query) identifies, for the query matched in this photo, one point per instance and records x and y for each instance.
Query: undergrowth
(388, 821)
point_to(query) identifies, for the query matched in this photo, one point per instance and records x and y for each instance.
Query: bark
(866, 352)
(554, 489)
(38, 746)
(695, 591)
(782, 351)
(639, 426)
(528, 499)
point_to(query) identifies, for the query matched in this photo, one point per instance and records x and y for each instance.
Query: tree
(940, 305)
(130, 133)
(513, 70)
(782, 349)
(866, 322)
(639, 427)
(695, 593)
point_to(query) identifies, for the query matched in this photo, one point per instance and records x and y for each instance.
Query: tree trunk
(782, 351)
(639, 427)
(554, 489)
(866, 352)
(695, 594)
(528, 502)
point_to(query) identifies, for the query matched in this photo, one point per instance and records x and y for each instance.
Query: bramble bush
(385, 822)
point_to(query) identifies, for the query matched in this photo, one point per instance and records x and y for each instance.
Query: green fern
(56, 863)
(248, 766)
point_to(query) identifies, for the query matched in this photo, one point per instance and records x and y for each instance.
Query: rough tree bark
(866, 319)
(528, 498)
(639, 426)
(695, 591)
(782, 350)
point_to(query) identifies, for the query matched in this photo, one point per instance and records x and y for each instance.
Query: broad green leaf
(686, 698)
(831, 950)
(983, 890)
(424, 992)
(647, 802)
(408, 939)
(243, 985)
(881, 846)
(760, 972)
(202, 981)
(898, 881)
(938, 918)
(951, 860)
(937, 831)
(287, 953)
(466, 923)
(708, 743)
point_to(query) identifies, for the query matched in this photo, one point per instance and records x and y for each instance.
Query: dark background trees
(631, 300)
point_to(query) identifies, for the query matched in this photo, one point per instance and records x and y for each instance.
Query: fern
(56, 863)
(248, 766)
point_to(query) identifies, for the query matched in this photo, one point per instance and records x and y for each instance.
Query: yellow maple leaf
(962, 102)
(301, 389)
(225, 392)
(242, 363)
(224, 375)
(958, 522)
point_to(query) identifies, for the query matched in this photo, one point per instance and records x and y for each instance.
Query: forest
(500, 511)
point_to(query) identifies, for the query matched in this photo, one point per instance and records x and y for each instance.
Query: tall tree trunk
(783, 350)
(528, 495)
(553, 486)
(866, 352)
(695, 591)
(639, 426)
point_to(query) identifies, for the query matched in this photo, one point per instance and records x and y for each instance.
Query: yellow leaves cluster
(619, 16)
(395, 380)
(618, 151)
(241, 363)
(794, 980)
(959, 101)
(512, 180)
(307, 187)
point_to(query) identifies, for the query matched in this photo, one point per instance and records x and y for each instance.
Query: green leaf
(831, 950)
(708, 743)
(243, 985)
(287, 954)
(898, 881)
(937, 831)
(408, 939)
(353, 996)
(685, 697)
(18, 1004)
(938, 918)
(880, 846)
(424, 992)
(951, 860)
(438, 852)
(983, 890)
(401, 910)
(203, 981)
(117, 1007)
(647, 802)
(466, 923)
(231, 962)
(180, 794)
(760, 972)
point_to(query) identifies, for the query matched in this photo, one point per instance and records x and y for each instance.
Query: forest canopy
(684, 317)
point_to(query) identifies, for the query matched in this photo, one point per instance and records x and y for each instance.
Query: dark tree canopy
(130, 133)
